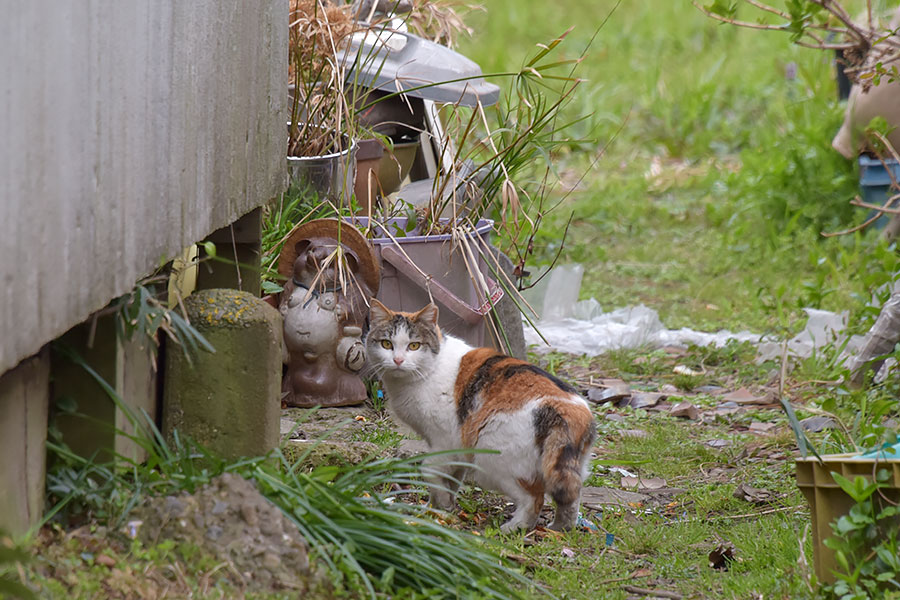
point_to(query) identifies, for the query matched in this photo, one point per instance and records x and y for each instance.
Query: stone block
(24, 398)
(229, 401)
(126, 365)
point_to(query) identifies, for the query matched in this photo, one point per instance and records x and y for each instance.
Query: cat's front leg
(443, 481)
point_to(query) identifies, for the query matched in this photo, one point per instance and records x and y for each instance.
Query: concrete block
(228, 401)
(24, 397)
(126, 365)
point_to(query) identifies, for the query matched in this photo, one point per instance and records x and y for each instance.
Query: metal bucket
(330, 175)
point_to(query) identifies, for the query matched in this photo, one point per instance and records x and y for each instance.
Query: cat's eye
(414, 346)
(387, 345)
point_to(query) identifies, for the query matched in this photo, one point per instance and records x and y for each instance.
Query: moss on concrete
(228, 401)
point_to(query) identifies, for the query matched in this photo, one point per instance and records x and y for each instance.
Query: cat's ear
(429, 314)
(378, 311)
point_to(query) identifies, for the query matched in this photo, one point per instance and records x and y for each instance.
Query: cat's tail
(563, 460)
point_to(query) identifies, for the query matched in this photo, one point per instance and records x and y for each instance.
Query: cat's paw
(512, 526)
(442, 500)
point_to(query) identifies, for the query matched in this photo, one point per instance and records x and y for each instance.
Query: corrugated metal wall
(128, 130)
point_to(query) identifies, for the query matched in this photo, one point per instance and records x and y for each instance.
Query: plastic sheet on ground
(581, 327)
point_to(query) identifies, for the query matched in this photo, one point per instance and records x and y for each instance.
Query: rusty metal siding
(128, 130)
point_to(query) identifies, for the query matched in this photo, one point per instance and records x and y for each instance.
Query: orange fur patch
(506, 394)
(536, 490)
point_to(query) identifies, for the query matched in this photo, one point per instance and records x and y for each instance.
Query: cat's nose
(398, 360)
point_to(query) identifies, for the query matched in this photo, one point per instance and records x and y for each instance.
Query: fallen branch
(654, 593)
(760, 513)
(891, 211)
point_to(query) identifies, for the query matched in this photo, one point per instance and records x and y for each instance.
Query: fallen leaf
(675, 350)
(106, 561)
(603, 395)
(686, 410)
(759, 427)
(518, 558)
(641, 483)
(722, 556)
(668, 388)
(645, 399)
(641, 573)
(753, 495)
(717, 443)
(743, 396)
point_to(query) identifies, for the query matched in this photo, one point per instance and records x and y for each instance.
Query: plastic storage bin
(463, 307)
(875, 182)
(828, 502)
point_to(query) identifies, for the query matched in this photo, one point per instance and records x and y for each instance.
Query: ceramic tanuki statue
(325, 313)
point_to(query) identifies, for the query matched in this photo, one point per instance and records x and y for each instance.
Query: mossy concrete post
(228, 401)
(24, 397)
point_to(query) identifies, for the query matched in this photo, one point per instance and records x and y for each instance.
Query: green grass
(727, 233)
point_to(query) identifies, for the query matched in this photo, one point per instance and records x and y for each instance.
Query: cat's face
(402, 345)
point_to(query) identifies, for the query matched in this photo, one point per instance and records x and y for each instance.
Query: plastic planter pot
(412, 265)
(828, 502)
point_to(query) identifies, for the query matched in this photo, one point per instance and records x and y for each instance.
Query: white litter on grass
(583, 328)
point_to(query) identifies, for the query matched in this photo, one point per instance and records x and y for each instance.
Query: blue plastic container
(875, 183)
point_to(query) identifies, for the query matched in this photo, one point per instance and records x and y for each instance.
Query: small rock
(214, 532)
(271, 561)
(271, 527)
(816, 424)
(685, 410)
(173, 508)
(410, 448)
(219, 507)
(248, 512)
(289, 427)
(712, 390)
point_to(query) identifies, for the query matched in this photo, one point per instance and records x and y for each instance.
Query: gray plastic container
(413, 265)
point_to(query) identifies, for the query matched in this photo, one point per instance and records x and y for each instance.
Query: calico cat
(456, 396)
